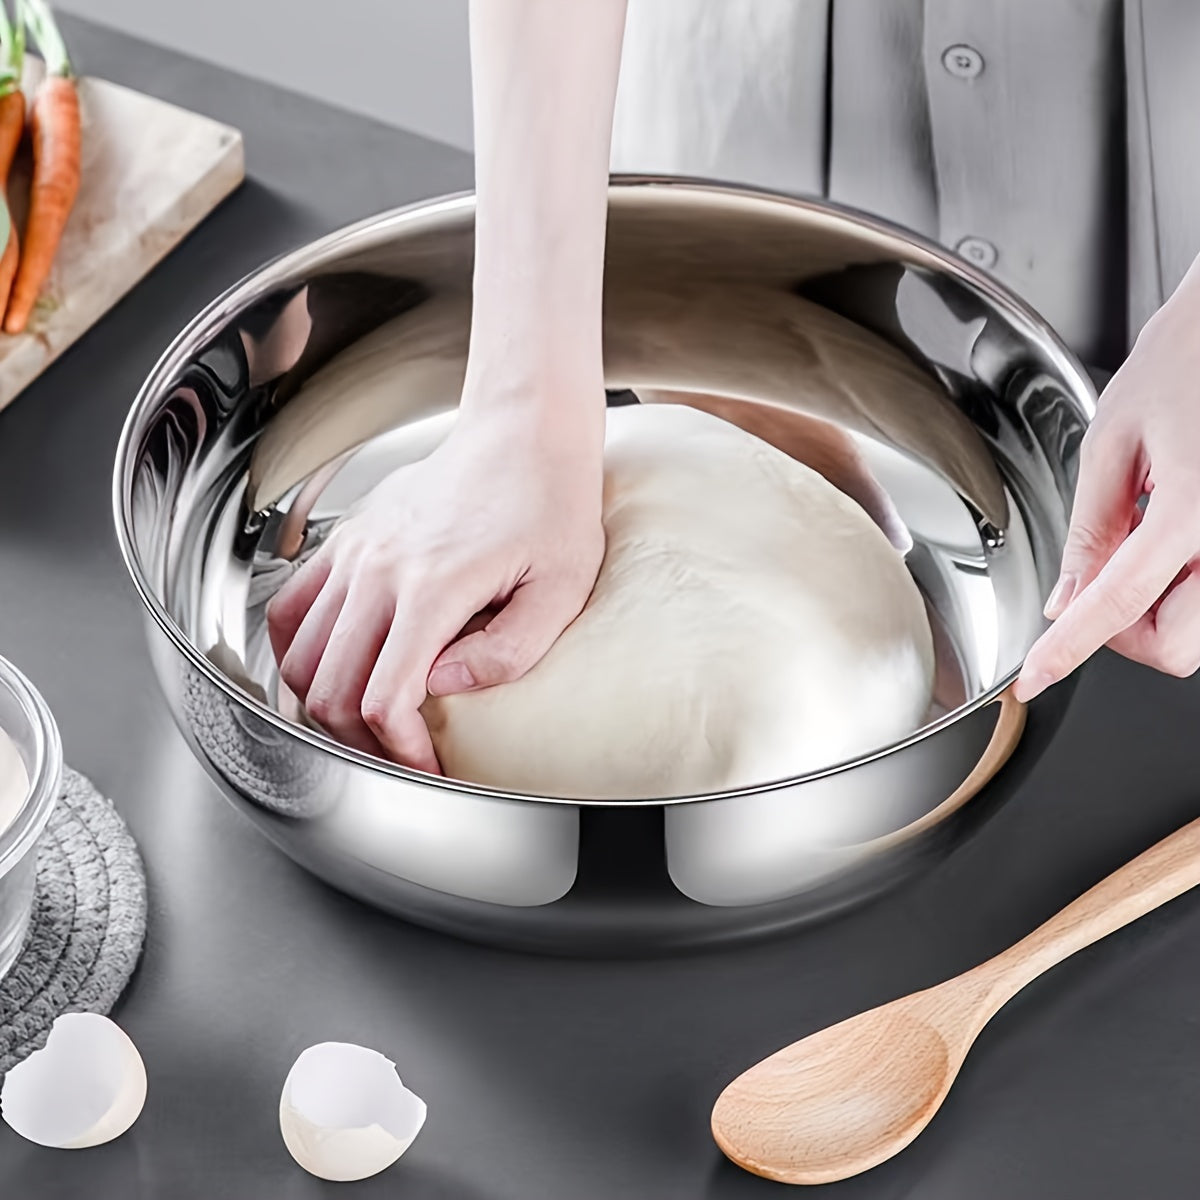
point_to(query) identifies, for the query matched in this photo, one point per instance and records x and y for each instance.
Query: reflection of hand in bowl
(276, 348)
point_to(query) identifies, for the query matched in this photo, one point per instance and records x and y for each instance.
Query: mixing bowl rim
(291, 264)
(19, 837)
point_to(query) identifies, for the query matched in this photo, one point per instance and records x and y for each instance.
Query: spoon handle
(1161, 873)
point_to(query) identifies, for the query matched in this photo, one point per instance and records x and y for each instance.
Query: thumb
(513, 642)
(1101, 516)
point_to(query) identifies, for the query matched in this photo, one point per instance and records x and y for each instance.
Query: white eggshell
(85, 1087)
(344, 1114)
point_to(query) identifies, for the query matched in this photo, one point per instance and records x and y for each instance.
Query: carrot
(56, 149)
(54, 123)
(12, 99)
(8, 260)
(12, 125)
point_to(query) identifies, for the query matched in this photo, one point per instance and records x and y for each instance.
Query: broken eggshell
(344, 1114)
(85, 1087)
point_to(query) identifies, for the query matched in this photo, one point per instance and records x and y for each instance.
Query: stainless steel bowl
(242, 450)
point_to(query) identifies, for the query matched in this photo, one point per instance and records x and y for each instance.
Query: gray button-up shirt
(1055, 143)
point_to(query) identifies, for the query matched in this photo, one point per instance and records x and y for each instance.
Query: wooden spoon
(851, 1096)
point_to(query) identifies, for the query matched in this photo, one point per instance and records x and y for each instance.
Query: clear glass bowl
(29, 723)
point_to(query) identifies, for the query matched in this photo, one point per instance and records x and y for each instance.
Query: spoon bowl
(861, 1090)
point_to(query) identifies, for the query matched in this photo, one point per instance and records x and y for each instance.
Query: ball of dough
(750, 623)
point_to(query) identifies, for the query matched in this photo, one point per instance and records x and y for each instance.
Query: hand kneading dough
(749, 623)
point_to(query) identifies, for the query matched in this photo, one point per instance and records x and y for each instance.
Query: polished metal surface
(27, 721)
(241, 451)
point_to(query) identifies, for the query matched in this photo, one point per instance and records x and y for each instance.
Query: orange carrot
(56, 157)
(12, 125)
(8, 261)
(54, 123)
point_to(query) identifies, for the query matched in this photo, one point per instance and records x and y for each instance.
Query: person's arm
(1132, 580)
(504, 517)
(545, 80)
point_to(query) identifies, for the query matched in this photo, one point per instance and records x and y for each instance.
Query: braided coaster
(261, 762)
(87, 926)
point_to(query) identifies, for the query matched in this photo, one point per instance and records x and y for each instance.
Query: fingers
(335, 695)
(289, 606)
(1137, 574)
(1168, 638)
(391, 704)
(303, 656)
(1110, 483)
(359, 661)
(514, 641)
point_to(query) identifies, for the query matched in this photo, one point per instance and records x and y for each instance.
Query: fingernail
(447, 678)
(1032, 684)
(1064, 591)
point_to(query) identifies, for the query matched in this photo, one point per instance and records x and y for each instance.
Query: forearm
(544, 74)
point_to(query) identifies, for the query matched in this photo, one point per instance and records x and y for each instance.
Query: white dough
(750, 623)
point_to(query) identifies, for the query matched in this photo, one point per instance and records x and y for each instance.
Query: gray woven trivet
(88, 922)
(262, 762)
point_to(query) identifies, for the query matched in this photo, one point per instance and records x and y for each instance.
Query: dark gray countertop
(546, 1079)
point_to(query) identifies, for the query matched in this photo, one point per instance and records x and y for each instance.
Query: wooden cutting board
(151, 173)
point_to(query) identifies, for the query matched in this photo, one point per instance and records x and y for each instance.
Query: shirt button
(963, 62)
(978, 251)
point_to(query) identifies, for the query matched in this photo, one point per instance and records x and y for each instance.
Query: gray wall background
(405, 62)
